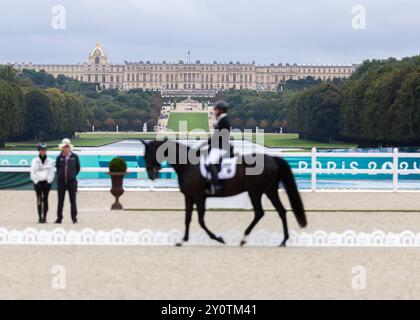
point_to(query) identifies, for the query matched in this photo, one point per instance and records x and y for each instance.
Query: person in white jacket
(42, 175)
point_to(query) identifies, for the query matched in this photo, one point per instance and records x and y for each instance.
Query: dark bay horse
(193, 185)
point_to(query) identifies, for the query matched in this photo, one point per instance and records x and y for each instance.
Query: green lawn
(81, 142)
(293, 141)
(99, 139)
(195, 120)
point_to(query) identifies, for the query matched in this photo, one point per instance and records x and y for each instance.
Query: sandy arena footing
(212, 272)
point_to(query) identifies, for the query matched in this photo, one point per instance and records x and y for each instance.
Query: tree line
(251, 109)
(106, 109)
(33, 113)
(379, 105)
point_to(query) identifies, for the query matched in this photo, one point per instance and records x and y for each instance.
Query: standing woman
(42, 175)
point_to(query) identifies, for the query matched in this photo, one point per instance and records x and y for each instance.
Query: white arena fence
(394, 168)
(262, 238)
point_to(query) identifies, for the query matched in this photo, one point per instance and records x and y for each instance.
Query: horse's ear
(144, 143)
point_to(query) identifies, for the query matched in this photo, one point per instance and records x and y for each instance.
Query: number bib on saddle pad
(227, 170)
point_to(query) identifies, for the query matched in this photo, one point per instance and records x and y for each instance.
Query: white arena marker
(263, 238)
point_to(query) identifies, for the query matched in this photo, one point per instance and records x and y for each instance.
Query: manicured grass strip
(293, 141)
(81, 142)
(100, 139)
(195, 121)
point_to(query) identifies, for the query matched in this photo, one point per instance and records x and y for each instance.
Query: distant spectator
(68, 167)
(42, 175)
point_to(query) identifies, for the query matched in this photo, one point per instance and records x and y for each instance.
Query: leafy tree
(315, 113)
(11, 111)
(98, 124)
(251, 123)
(122, 124)
(39, 117)
(8, 73)
(110, 123)
(264, 124)
(377, 99)
(237, 123)
(405, 112)
(136, 124)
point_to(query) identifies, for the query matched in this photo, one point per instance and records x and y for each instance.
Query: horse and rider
(219, 147)
(196, 189)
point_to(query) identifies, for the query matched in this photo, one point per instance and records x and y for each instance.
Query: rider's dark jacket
(221, 136)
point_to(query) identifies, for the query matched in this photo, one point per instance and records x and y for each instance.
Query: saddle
(227, 168)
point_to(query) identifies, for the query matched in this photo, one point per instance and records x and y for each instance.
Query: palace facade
(187, 76)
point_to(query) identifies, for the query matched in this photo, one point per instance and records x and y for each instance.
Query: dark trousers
(71, 187)
(42, 190)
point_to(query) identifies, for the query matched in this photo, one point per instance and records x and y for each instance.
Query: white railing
(394, 168)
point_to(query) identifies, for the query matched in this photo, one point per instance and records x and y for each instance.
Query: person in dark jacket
(68, 167)
(219, 146)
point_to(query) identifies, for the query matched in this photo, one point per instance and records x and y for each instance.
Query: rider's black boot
(215, 187)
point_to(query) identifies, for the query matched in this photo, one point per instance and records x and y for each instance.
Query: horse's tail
(286, 176)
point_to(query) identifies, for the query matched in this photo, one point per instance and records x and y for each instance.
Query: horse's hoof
(179, 244)
(283, 245)
(220, 239)
(243, 242)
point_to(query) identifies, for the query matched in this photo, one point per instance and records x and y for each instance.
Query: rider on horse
(219, 146)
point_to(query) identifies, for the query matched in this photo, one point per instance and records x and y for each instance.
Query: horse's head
(152, 165)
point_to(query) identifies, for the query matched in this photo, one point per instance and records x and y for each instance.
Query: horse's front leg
(201, 208)
(189, 207)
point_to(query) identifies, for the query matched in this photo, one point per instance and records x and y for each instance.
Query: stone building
(187, 76)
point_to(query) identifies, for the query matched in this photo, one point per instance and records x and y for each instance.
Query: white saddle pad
(227, 171)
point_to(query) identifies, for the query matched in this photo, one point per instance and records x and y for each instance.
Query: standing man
(68, 167)
(42, 175)
(219, 146)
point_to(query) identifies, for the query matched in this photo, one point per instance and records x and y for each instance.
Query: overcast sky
(265, 31)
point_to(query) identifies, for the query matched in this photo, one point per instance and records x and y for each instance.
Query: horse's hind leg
(275, 199)
(189, 207)
(259, 213)
(201, 209)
